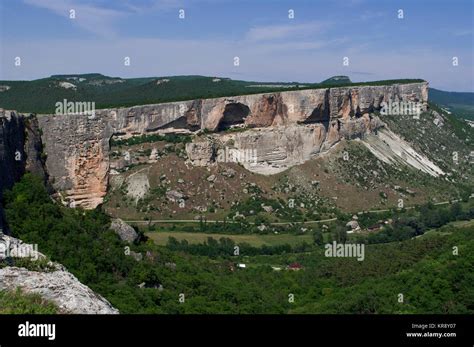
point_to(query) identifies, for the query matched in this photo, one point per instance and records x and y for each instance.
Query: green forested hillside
(461, 104)
(424, 268)
(40, 96)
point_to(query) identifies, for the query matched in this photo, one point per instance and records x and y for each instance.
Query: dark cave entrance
(234, 113)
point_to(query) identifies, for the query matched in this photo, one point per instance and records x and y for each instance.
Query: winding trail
(154, 221)
(219, 221)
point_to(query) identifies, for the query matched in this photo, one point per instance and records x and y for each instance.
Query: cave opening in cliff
(319, 115)
(234, 114)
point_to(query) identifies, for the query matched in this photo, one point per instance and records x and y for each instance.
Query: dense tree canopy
(424, 269)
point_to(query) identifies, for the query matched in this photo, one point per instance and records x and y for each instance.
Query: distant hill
(40, 96)
(461, 104)
(336, 80)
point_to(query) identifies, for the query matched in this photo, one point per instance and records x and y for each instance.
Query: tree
(466, 192)
(339, 234)
(456, 210)
(318, 237)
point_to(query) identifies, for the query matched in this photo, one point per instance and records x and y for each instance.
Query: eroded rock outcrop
(77, 146)
(77, 149)
(391, 149)
(123, 230)
(272, 150)
(265, 110)
(348, 102)
(60, 287)
(54, 284)
(201, 153)
(269, 150)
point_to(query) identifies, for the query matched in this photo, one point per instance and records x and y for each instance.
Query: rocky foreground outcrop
(59, 287)
(78, 146)
(55, 284)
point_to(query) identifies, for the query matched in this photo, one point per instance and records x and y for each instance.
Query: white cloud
(275, 32)
(152, 5)
(368, 15)
(102, 21)
(98, 20)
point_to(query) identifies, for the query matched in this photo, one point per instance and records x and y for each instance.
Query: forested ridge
(424, 269)
(41, 95)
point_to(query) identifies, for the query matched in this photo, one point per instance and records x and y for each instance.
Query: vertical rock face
(265, 110)
(12, 138)
(33, 147)
(139, 120)
(77, 150)
(20, 151)
(347, 102)
(77, 146)
(313, 108)
(272, 150)
(12, 154)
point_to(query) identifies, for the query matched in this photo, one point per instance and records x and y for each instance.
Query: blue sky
(271, 47)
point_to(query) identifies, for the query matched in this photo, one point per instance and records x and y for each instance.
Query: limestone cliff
(20, 150)
(272, 150)
(77, 146)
